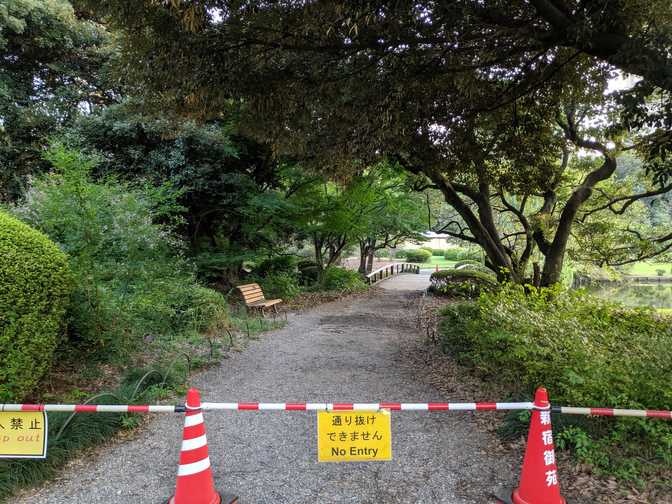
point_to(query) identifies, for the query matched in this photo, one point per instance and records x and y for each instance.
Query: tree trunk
(555, 253)
(363, 256)
(370, 258)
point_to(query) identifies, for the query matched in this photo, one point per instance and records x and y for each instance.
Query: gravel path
(350, 350)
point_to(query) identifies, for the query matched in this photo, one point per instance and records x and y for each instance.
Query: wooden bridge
(391, 270)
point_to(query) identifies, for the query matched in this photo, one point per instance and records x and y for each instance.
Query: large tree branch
(629, 200)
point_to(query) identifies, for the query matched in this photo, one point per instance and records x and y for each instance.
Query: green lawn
(648, 269)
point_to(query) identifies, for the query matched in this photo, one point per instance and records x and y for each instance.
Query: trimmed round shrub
(463, 283)
(418, 256)
(428, 249)
(467, 262)
(438, 252)
(342, 280)
(470, 265)
(401, 254)
(35, 286)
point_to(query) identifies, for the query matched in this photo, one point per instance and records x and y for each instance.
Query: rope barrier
(572, 410)
(256, 406)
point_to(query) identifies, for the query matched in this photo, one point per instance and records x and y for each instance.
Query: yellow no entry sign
(23, 434)
(354, 436)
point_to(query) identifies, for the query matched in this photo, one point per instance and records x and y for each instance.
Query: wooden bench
(254, 298)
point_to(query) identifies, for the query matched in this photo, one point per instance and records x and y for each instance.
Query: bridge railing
(391, 270)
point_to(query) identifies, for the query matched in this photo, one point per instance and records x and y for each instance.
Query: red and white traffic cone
(539, 476)
(194, 475)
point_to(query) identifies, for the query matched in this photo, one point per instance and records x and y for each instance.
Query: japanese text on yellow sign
(353, 436)
(23, 434)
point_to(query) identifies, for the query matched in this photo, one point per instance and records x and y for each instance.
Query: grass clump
(587, 352)
(71, 433)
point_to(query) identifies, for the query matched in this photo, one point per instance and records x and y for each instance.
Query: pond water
(656, 295)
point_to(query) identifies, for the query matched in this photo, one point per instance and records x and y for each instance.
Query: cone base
(220, 499)
(512, 497)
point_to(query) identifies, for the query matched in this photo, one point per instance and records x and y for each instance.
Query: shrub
(400, 254)
(418, 256)
(428, 249)
(132, 280)
(277, 264)
(342, 280)
(460, 254)
(309, 272)
(587, 352)
(467, 262)
(438, 252)
(660, 272)
(35, 285)
(280, 285)
(463, 283)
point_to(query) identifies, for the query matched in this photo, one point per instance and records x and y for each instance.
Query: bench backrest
(252, 293)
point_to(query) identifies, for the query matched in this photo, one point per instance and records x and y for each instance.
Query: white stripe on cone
(194, 468)
(191, 420)
(192, 444)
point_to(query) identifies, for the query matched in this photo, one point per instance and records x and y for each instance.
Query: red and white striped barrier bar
(94, 408)
(258, 406)
(571, 410)
(394, 406)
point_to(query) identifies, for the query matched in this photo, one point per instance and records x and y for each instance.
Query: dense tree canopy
(482, 99)
(53, 67)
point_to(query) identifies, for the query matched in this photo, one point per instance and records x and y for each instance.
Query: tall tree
(52, 67)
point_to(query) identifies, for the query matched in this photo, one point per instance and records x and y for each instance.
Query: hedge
(418, 256)
(35, 287)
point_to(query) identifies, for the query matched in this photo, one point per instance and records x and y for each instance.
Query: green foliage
(309, 272)
(461, 254)
(277, 264)
(438, 252)
(52, 64)
(467, 262)
(132, 279)
(400, 254)
(431, 251)
(567, 341)
(281, 284)
(35, 286)
(462, 283)
(418, 256)
(341, 279)
(227, 185)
